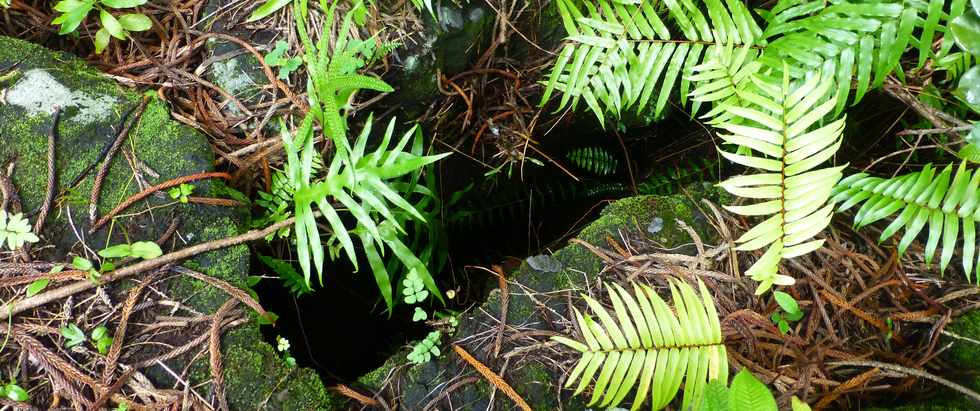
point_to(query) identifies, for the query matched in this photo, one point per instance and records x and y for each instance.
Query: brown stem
(20, 306)
(146, 193)
(93, 206)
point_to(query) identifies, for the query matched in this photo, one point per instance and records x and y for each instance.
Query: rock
(92, 108)
(530, 308)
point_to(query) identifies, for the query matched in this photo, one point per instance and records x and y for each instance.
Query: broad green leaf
(748, 393)
(267, 9)
(111, 25)
(966, 31)
(146, 250)
(138, 22)
(37, 286)
(116, 251)
(101, 40)
(123, 4)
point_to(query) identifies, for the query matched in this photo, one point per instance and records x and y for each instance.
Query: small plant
(15, 231)
(413, 288)
(74, 13)
(99, 337)
(286, 65)
(84, 264)
(4, 3)
(181, 193)
(426, 349)
(790, 311)
(282, 345)
(292, 280)
(745, 393)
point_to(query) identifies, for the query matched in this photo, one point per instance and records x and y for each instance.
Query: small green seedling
(73, 335)
(426, 349)
(181, 193)
(84, 264)
(122, 407)
(15, 231)
(99, 338)
(413, 288)
(286, 64)
(14, 392)
(74, 13)
(790, 311)
(4, 3)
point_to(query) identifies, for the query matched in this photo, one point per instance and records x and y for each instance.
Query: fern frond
(620, 56)
(942, 202)
(860, 41)
(775, 132)
(595, 160)
(646, 346)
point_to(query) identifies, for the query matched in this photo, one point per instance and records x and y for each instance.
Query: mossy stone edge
(256, 378)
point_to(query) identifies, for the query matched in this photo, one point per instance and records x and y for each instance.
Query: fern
(595, 160)
(853, 40)
(942, 202)
(646, 346)
(775, 134)
(619, 56)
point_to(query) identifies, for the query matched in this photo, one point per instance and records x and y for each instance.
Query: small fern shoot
(942, 202)
(646, 346)
(774, 132)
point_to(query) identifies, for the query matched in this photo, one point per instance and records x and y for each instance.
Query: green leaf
(99, 332)
(37, 286)
(966, 31)
(101, 40)
(103, 344)
(73, 335)
(16, 393)
(81, 264)
(110, 24)
(748, 393)
(968, 89)
(123, 4)
(799, 405)
(266, 9)
(116, 251)
(788, 304)
(293, 281)
(716, 397)
(274, 58)
(146, 250)
(420, 315)
(135, 22)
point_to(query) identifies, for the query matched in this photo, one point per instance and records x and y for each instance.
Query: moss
(254, 372)
(963, 354)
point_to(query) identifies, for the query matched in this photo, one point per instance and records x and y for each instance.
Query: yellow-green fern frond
(859, 40)
(620, 54)
(943, 202)
(777, 133)
(646, 346)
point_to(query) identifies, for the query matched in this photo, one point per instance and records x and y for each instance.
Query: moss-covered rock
(92, 110)
(530, 309)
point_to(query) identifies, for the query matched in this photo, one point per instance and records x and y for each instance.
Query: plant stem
(914, 373)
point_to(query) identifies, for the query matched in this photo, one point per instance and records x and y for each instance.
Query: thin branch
(912, 372)
(20, 306)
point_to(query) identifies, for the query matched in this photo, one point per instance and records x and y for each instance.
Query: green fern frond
(775, 133)
(942, 202)
(860, 41)
(646, 346)
(595, 160)
(620, 56)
